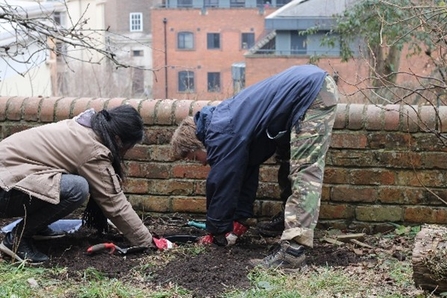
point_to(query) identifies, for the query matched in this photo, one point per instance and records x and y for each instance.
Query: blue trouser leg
(38, 214)
(248, 194)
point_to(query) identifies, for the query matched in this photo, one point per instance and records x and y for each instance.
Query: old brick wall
(384, 165)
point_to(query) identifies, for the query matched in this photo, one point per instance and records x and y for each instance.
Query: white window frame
(136, 21)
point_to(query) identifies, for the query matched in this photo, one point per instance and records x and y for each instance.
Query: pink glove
(162, 243)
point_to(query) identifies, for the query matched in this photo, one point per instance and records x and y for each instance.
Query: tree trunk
(430, 259)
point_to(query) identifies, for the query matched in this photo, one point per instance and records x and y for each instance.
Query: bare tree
(32, 34)
(391, 32)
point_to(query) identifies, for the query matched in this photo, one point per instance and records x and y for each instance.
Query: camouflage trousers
(308, 150)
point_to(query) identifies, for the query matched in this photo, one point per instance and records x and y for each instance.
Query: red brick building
(199, 48)
(209, 49)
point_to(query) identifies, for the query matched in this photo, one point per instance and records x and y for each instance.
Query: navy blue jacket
(239, 135)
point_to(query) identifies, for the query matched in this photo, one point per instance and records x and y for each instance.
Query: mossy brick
(136, 186)
(268, 190)
(171, 187)
(374, 117)
(134, 102)
(148, 170)
(379, 213)
(161, 153)
(31, 106)
(397, 159)
(164, 112)
(428, 119)
(147, 203)
(341, 116)
(80, 105)
(336, 175)
(189, 205)
(157, 135)
(200, 187)
(12, 129)
(3, 104)
(189, 171)
(392, 117)
(349, 140)
(395, 141)
(336, 211)
(421, 178)
(350, 158)
(257, 208)
(47, 107)
(63, 108)
(147, 111)
(356, 116)
(198, 105)
(270, 208)
(425, 214)
(182, 110)
(115, 102)
(410, 118)
(354, 193)
(325, 193)
(268, 173)
(98, 104)
(400, 195)
(372, 177)
(14, 108)
(442, 116)
(432, 160)
(139, 152)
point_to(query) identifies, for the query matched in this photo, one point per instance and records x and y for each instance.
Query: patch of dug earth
(208, 274)
(220, 269)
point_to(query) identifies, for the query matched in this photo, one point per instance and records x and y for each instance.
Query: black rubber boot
(272, 228)
(23, 250)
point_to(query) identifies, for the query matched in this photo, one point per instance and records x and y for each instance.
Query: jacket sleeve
(105, 188)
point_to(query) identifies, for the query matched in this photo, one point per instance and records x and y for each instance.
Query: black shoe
(288, 256)
(272, 228)
(24, 251)
(48, 233)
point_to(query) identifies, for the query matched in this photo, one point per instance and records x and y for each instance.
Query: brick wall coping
(171, 111)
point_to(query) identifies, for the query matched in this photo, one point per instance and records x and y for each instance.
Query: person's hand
(162, 243)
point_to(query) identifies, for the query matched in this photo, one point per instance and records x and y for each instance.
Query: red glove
(230, 237)
(162, 243)
(239, 229)
(206, 240)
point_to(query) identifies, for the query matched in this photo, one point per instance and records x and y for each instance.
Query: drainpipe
(166, 58)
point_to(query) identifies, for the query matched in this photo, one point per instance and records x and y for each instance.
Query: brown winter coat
(33, 161)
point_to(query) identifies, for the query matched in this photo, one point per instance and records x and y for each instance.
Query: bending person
(293, 110)
(48, 171)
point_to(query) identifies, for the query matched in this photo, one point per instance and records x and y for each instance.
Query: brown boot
(289, 255)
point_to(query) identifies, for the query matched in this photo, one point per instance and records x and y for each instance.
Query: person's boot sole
(16, 257)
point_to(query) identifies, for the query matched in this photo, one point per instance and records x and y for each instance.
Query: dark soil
(206, 274)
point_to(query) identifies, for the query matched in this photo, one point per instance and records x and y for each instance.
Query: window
(137, 81)
(213, 41)
(237, 3)
(211, 3)
(137, 53)
(185, 40)
(184, 3)
(214, 82)
(248, 40)
(136, 21)
(59, 18)
(298, 43)
(186, 81)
